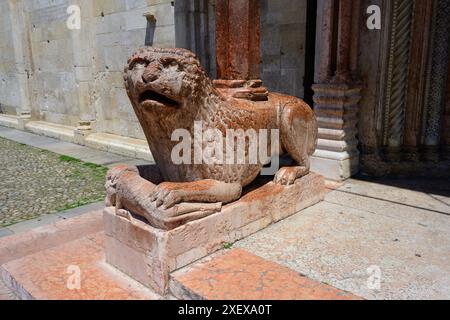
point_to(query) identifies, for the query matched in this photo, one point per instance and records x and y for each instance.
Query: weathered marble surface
(148, 254)
(169, 91)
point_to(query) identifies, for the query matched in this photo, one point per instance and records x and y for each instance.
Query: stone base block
(148, 254)
(125, 146)
(52, 130)
(9, 121)
(335, 169)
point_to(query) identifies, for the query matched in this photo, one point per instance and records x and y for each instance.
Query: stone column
(82, 44)
(238, 49)
(417, 79)
(22, 58)
(237, 39)
(343, 41)
(337, 90)
(397, 83)
(324, 40)
(195, 29)
(438, 81)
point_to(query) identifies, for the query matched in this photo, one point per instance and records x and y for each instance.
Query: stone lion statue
(169, 90)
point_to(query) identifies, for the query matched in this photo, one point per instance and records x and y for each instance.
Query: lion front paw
(287, 175)
(166, 195)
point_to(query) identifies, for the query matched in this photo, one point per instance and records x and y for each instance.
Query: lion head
(164, 79)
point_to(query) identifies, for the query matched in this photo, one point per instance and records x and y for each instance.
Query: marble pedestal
(148, 255)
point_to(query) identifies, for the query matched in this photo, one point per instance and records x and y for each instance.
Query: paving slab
(237, 274)
(50, 218)
(72, 271)
(34, 223)
(25, 243)
(407, 206)
(132, 162)
(28, 138)
(102, 158)
(83, 153)
(354, 241)
(424, 194)
(5, 232)
(75, 212)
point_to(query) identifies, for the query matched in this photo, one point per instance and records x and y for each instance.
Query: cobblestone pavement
(35, 182)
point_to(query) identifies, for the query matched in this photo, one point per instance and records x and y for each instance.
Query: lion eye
(138, 64)
(169, 62)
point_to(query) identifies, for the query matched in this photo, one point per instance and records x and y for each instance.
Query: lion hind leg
(298, 133)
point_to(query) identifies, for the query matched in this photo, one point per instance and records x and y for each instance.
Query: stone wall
(9, 73)
(283, 33)
(53, 83)
(75, 76)
(117, 35)
(195, 30)
(72, 77)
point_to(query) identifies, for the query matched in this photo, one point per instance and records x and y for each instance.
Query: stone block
(240, 275)
(164, 36)
(46, 274)
(9, 121)
(148, 254)
(110, 23)
(107, 7)
(48, 236)
(336, 169)
(52, 130)
(164, 14)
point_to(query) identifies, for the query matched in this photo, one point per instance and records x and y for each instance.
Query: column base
(339, 168)
(431, 153)
(336, 106)
(22, 120)
(82, 131)
(411, 153)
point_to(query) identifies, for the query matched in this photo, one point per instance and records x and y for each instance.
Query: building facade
(378, 84)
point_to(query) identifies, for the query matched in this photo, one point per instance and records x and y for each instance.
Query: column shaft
(420, 38)
(344, 35)
(438, 84)
(237, 39)
(23, 63)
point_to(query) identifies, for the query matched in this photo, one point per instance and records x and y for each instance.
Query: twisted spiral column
(438, 81)
(398, 72)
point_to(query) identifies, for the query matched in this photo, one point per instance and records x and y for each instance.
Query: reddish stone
(237, 39)
(148, 254)
(332, 185)
(45, 274)
(238, 274)
(22, 244)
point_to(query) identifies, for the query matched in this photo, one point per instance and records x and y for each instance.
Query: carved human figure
(169, 90)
